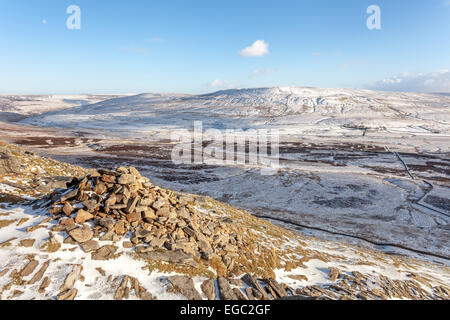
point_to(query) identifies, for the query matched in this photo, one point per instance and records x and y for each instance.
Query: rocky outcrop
(8, 162)
(28, 175)
(48, 184)
(185, 286)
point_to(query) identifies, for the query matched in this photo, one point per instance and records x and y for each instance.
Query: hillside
(290, 109)
(113, 234)
(367, 167)
(14, 108)
(24, 174)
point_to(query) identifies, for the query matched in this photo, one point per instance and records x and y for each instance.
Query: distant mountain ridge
(259, 107)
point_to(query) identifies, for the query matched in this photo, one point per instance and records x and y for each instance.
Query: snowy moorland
(292, 110)
(15, 108)
(63, 236)
(361, 166)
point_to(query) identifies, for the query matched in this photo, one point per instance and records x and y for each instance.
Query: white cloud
(416, 82)
(262, 72)
(447, 3)
(222, 84)
(259, 48)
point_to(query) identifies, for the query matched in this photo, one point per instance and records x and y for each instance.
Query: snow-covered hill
(289, 108)
(26, 105)
(309, 100)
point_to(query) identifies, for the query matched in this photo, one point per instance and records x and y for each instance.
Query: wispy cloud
(446, 3)
(326, 54)
(415, 82)
(219, 84)
(259, 48)
(353, 63)
(262, 72)
(137, 50)
(155, 40)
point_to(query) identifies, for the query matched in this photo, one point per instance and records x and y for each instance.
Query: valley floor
(379, 192)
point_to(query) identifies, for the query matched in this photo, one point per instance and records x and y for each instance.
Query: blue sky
(194, 46)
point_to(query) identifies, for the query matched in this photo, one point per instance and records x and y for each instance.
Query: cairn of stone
(162, 225)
